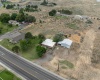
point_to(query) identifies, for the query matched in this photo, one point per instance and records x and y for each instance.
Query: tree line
(20, 17)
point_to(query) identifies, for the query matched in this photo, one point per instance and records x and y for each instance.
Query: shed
(66, 43)
(78, 17)
(49, 43)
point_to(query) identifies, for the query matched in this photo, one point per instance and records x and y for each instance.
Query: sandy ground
(1, 68)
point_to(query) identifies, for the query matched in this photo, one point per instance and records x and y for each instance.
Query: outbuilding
(49, 43)
(66, 43)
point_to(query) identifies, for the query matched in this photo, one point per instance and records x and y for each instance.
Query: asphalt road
(27, 70)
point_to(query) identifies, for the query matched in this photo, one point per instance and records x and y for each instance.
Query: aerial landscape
(49, 39)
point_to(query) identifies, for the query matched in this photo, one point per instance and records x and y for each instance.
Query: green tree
(20, 17)
(68, 12)
(58, 37)
(41, 38)
(4, 5)
(28, 35)
(13, 16)
(52, 13)
(44, 2)
(21, 11)
(25, 44)
(30, 19)
(15, 49)
(40, 50)
(4, 17)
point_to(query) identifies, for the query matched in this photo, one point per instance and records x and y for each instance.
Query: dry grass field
(82, 60)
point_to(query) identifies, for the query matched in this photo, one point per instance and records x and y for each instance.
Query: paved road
(24, 68)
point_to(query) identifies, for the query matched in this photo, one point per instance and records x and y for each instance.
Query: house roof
(67, 42)
(48, 42)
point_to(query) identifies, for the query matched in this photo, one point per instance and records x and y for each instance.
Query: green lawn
(72, 26)
(6, 75)
(67, 63)
(7, 2)
(4, 27)
(30, 54)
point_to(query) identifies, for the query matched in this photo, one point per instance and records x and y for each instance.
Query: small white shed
(66, 43)
(78, 17)
(49, 43)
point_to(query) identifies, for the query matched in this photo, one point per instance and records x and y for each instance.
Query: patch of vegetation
(52, 12)
(61, 17)
(72, 26)
(67, 63)
(6, 75)
(89, 22)
(27, 48)
(6, 2)
(58, 37)
(31, 8)
(44, 3)
(5, 27)
(63, 67)
(68, 12)
(40, 50)
(10, 6)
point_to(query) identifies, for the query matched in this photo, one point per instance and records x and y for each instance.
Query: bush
(40, 50)
(28, 35)
(25, 44)
(41, 38)
(58, 37)
(68, 12)
(44, 2)
(30, 19)
(13, 16)
(15, 49)
(10, 25)
(4, 17)
(10, 6)
(52, 13)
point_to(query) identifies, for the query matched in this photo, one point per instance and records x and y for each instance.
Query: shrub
(40, 50)
(58, 37)
(52, 13)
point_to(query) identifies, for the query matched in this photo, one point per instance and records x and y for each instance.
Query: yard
(29, 54)
(6, 75)
(4, 27)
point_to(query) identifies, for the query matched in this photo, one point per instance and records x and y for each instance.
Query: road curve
(24, 68)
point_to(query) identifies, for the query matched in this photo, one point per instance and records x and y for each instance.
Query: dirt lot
(1, 68)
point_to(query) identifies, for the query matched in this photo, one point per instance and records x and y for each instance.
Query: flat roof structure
(66, 43)
(49, 43)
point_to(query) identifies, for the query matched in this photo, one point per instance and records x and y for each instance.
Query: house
(66, 43)
(16, 37)
(49, 43)
(13, 22)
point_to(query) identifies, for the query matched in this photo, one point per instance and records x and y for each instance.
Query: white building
(78, 17)
(98, 0)
(49, 43)
(66, 43)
